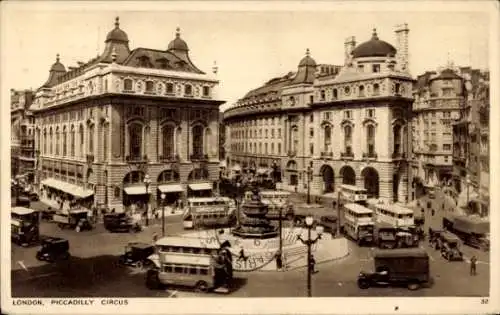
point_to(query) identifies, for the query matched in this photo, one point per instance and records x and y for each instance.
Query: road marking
(20, 262)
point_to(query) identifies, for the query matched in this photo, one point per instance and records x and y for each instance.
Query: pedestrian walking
(279, 261)
(473, 262)
(242, 255)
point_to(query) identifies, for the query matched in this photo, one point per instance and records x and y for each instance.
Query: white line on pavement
(20, 262)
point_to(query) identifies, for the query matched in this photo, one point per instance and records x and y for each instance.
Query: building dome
(178, 43)
(58, 66)
(374, 48)
(117, 34)
(307, 61)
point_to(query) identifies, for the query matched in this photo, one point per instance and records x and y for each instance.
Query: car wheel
(201, 286)
(413, 286)
(152, 280)
(363, 284)
(139, 265)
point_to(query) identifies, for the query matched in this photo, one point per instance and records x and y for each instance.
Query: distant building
(22, 135)
(471, 144)
(350, 123)
(106, 126)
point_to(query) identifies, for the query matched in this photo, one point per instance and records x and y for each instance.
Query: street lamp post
(238, 202)
(147, 182)
(309, 178)
(163, 214)
(309, 242)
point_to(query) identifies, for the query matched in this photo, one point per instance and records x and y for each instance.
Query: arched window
(167, 136)
(198, 141)
(91, 139)
(397, 139)
(322, 95)
(72, 141)
(135, 140)
(207, 141)
(376, 89)
(105, 135)
(335, 94)
(327, 137)
(348, 139)
(188, 89)
(361, 91)
(65, 144)
(82, 141)
(44, 141)
(57, 141)
(127, 84)
(370, 140)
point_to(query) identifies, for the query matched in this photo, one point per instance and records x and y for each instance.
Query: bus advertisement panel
(351, 193)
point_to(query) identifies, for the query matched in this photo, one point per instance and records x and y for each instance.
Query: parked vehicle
(472, 230)
(75, 219)
(25, 226)
(449, 247)
(408, 267)
(136, 254)
(120, 222)
(329, 223)
(53, 249)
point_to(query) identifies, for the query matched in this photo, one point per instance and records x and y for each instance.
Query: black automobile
(136, 254)
(119, 222)
(53, 249)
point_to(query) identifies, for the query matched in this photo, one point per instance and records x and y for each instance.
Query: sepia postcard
(249, 157)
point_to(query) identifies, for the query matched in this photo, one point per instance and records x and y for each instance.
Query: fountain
(254, 224)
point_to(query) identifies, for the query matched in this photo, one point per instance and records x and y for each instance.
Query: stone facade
(106, 124)
(351, 122)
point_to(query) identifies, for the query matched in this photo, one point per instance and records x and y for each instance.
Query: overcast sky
(249, 47)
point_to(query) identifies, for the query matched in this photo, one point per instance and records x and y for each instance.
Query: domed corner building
(349, 122)
(127, 127)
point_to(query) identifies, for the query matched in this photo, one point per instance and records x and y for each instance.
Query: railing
(370, 155)
(198, 157)
(169, 158)
(136, 158)
(398, 155)
(325, 154)
(347, 155)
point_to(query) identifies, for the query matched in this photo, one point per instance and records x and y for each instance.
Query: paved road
(92, 271)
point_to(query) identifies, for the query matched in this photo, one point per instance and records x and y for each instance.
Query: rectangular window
(347, 114)
(361, 68)
(327, 115)
(272, 133)
(370, 113)
(311, 118)
(206, 91)
(446, 147)
(279, 148)
(311, 132)
(279, 132)
(376, 68)
(311, 148)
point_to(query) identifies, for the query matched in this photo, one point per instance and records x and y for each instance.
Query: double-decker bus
(351, 193)
(276, 201)
(208, 212)
(358, 222)
(393, 214)
(193, 262)
(25, 225)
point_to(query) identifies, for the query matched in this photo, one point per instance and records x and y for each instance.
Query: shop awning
(71, 189)
(135, 190)
(201, 186)
(170, 188)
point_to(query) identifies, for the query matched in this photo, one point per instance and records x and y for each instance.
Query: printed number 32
(484, 301)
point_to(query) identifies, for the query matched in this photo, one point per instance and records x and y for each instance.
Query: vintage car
(406, 238)
(329, 223)
(407, 267)
(77, 219)
(472, 230)
(449, 247)
(136, 254)
(385, 236)
(120, 222)
(53, 248)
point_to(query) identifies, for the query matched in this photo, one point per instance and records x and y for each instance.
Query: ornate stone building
(22, 135)
(349, 123)
(126, 115)
(471, 145)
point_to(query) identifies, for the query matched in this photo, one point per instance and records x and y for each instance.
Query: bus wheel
(201, 286)
(152, 280)
(413, 286)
